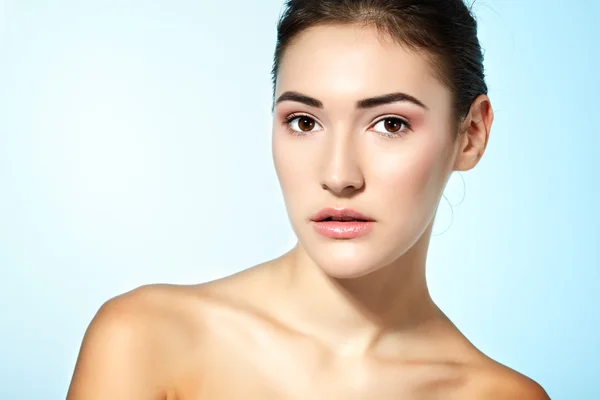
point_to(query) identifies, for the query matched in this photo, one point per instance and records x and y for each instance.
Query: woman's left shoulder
(497, 381)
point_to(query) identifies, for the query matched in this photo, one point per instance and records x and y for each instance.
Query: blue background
(135, 148)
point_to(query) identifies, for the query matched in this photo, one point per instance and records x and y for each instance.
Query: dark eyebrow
(387, 99)
(369, 102)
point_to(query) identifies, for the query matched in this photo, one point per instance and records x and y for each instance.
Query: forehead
(340, 62)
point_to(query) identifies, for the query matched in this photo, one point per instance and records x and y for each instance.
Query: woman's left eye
(392, 126)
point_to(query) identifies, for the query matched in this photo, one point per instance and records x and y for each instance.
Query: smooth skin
(330, 319)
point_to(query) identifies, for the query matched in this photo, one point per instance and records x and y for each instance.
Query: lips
(344, 214)
(342, 224)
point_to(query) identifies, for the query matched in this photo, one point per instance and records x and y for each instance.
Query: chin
(347, 259)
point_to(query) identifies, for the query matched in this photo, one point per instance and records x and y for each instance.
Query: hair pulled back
(445, 29)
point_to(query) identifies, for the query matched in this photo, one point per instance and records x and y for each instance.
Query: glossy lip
(359, 225)
(343, 229)
(340, 213)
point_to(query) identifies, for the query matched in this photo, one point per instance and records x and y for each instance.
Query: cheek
(414, 175)
(290, 165)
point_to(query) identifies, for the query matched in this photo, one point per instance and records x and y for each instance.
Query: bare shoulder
(496, 381)
(135, 344)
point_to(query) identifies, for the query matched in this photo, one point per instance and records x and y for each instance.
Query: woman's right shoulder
(137, 341)
(168, 309)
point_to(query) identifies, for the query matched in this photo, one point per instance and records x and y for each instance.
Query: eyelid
(386, 116)
(404, 120)
(293, 115)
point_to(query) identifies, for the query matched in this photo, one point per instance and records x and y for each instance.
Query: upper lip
(339, 213)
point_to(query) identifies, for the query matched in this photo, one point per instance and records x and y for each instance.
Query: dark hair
(446, 29)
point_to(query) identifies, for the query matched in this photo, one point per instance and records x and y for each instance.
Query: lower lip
(343, 229)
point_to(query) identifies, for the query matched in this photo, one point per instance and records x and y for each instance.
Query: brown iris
(392, 124)
(306, 123)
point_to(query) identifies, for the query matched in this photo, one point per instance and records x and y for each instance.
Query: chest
(304, 375)
(267, 364)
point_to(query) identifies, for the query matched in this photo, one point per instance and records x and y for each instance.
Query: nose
(341, 173)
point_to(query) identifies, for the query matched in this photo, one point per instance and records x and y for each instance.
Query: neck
(359, 315)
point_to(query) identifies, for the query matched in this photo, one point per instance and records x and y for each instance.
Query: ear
(474, 134)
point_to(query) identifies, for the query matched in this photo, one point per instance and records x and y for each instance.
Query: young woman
(376, 103)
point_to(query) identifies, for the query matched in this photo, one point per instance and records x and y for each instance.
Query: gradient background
(135, 148)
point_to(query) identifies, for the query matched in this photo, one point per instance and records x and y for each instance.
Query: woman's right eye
(300, 124)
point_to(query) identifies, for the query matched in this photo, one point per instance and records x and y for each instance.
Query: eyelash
(402, 132)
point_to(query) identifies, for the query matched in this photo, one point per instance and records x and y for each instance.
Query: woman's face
(387, 160)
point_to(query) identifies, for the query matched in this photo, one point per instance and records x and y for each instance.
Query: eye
(392, 126)
(300, 124)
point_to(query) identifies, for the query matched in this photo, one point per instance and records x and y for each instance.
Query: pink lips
(342, 223)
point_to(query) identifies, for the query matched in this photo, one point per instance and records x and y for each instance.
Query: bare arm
(119, 359)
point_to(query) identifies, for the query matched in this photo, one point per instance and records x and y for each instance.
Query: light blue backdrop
(135, 148)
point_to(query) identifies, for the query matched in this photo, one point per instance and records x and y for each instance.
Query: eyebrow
(369, 102)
